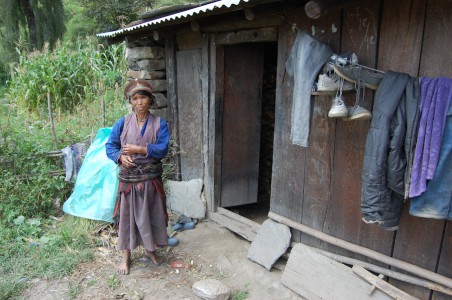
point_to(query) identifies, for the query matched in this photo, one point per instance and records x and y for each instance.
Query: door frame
(213, 50)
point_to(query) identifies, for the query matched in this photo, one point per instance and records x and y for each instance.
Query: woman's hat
(135, 86)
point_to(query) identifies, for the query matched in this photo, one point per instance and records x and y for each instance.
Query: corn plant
(71, 73)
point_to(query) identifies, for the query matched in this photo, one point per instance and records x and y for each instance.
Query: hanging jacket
(389, 145)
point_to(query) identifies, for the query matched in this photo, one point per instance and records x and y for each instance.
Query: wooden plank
(205, 114)
(217, 117)
(190, 113)
(288, 160)
(315, 277)
(359, 35)
(189, 41)
(445, 260)
(400, 50)
(317, 190)
(269, 34)
(254, 226)
(418, 242)
(173, 121)
(402, 25)
(243, 71)
(381, 284)
(436, 57)
(238, 227)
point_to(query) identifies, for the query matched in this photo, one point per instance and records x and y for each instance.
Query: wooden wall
(320, 186)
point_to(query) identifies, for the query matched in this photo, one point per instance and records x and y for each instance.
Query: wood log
(427, 274)
(315, 8)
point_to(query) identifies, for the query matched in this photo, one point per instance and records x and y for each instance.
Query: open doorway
(248, 128)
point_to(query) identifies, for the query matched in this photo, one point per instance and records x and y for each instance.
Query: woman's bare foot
(124, 266)
(156, 260)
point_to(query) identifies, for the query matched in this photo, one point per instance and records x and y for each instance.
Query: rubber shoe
(172, 242)
(346, 59)
(354, 73)
(357, 113)
(183, 226)
(338, 108)
(331, 82)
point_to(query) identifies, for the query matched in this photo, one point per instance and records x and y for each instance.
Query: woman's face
(140, 103)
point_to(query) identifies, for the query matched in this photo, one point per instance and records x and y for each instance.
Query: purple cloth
(436, 94)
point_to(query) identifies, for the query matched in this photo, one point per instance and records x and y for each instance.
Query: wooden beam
(170, 56)
(427, 274)
(236, 226)
(269, 34)
(381, 284)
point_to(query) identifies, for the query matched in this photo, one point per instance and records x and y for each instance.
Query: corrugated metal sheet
(181, 15)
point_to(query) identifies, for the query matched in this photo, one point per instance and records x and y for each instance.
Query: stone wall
(145, 59)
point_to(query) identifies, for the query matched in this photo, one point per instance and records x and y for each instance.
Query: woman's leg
(124, 266)
(157, 260)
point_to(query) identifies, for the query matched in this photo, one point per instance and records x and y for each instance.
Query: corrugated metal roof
(181, 15)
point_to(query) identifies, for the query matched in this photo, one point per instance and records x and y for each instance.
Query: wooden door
(243, 73)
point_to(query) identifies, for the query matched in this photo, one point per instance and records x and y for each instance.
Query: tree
(31, 22)
(112, 14)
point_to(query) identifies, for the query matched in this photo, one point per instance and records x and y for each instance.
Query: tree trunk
(31, 20)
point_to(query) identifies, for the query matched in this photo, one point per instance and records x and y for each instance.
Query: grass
(240, 294)
(51, 252)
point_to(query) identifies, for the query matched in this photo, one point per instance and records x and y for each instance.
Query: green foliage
(84, 78)
(113, 282)
(31, 248)
(31, 23)
(111, 14)
(78, 23)
(71, 74)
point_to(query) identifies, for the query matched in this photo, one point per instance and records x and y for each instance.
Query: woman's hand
(130, 149)
(126, 160)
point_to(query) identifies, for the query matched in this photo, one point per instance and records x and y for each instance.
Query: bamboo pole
(49, 106)
(364, 251)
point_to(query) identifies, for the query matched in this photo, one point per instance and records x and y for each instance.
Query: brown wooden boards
(243, 73)
(288, 160)
(315, 277)
(190, 113)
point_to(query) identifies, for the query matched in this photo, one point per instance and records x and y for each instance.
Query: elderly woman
(137, 143)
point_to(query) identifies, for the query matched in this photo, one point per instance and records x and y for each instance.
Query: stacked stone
(146, 60)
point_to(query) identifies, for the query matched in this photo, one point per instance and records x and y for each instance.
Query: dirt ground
(207, 251)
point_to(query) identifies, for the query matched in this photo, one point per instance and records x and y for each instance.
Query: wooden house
(221, 68)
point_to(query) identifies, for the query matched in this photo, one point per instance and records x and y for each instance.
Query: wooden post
(49, 107)
(427, 274)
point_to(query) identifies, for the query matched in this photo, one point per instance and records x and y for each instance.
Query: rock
(149, 64)
(138, 53)
(211, 289)
(161, 112)
(272, 240)
(184, 197)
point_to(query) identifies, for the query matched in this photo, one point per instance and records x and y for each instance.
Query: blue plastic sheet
(95, 190)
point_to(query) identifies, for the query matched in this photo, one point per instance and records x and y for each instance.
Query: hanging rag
(436, 94)
(436, 201)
